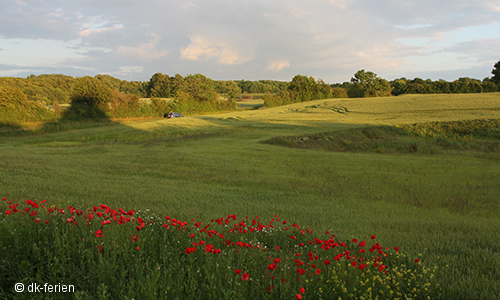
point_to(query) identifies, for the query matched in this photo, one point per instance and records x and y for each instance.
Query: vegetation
(233, 257)
(440, 208)
(456, 137)
(15, 107)
(301, 89)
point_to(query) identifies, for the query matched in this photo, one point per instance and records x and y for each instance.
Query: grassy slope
(443, 207)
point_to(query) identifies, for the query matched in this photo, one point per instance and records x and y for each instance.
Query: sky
(250, 39)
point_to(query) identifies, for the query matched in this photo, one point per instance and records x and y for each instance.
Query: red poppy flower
(302, 290)
(327, 262)
(298, 296)
(238, 271)
(189, 250)
(373, 237)
(245, 277)
(417, 260)
(98, 233)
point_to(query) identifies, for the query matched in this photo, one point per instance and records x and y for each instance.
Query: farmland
(442, 208)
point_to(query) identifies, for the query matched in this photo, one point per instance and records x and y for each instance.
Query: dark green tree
(199, 87)
(368, 84)
(496, 73)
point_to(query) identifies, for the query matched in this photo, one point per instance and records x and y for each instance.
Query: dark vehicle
(171, 115)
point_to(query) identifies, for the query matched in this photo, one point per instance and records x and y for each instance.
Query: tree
(199, 87)
(90, 98)
(368, 84)
(496, 73)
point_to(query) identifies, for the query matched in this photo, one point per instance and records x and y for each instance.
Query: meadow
(441, 208)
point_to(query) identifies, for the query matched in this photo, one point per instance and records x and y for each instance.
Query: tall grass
(118, 254)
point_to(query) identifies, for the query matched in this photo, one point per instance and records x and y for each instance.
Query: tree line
(26, 99)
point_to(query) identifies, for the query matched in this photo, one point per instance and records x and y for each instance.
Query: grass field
(443, 208)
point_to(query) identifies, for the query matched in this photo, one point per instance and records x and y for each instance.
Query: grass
(441, 208)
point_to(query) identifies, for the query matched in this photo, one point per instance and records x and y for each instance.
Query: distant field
(442, 208)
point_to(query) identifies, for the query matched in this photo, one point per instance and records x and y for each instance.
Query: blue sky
(250, 39)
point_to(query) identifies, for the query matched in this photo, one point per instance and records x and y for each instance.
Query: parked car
(171, 115)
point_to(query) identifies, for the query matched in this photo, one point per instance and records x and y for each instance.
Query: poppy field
(132, 255)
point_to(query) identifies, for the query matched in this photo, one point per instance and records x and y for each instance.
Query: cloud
(480, 50)
(203, 48)
(146, 51)
(277, 66)
(329, 39)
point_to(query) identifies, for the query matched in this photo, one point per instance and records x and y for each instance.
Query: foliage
(228, 89)
(262, 86)
(301, 89)
(164, 86)
(368, 84)
(461, 85)
(90, 98)
(496, 73)
(15, 107)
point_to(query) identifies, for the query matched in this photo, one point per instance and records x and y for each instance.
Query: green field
(443, 208)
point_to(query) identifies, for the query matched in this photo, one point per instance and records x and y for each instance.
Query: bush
(15, 107)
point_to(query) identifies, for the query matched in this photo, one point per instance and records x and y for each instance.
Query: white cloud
(203, 48)
(146, 51)
(277, 65)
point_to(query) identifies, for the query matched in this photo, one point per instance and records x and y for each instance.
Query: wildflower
(237, 271)
(397, 249)
(245, 277)
(327, 262)
(272, 267)
(98, 233)
(373, 237)
(298, 296)
(302, 290)
(190, 249)
(417, 260)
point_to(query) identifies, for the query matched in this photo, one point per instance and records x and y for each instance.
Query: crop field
(441, 208)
